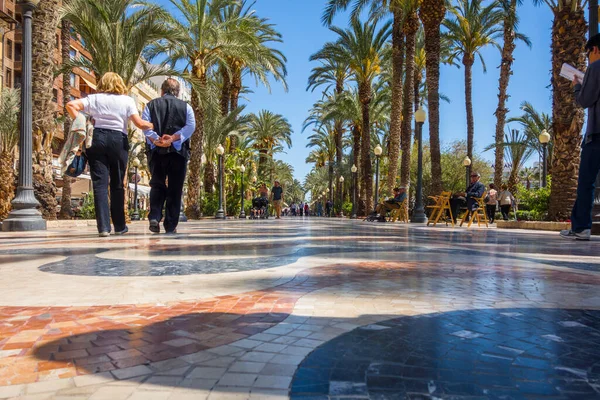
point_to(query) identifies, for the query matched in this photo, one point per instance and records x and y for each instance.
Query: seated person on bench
(474, 191)
(391, 203)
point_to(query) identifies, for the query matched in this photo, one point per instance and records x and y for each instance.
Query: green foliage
(529, 216)
(210, 203)
(142, 213)
(347, 207)
(87, 210)
(535, 201)
(10, 104)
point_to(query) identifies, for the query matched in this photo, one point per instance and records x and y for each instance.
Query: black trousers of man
(166, 186)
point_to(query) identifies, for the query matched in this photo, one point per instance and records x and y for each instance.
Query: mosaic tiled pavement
(307, 309)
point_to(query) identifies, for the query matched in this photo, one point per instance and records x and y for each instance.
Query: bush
(536, 201)
(347, 207)
(210, 203)
(530, 216)
(87, 210)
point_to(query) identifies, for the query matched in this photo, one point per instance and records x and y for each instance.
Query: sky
(299, 21)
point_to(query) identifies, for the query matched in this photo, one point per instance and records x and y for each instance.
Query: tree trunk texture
(468, 63)
(66, 211)
(45, 21)
(396, 112)
(210, 177)
(411, 26)
(432, 14)
(416, 85)
(356, 135)
(236, 87)
(569, 30)
(192, 206)
(263, 157)
(330, 172)
(225, 91)
(513, 180)
(505, 73)
(365, 95)
(7, 182)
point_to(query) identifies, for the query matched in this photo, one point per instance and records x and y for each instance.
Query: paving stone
(247, 367)
(190, 383)
(11, 391)
(287, 360)
(131, 372)
(278, 370)
(49, 386)
(263, 394)
(113, 393)
(256, 356)
(270, 347)
(206, 373)
(273, 382)
(237, 379)
(94, 379)
(148, 395)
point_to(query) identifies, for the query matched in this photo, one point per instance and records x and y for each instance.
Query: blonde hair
(112, 83)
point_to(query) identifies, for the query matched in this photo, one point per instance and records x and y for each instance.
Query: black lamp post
(354, 184)
(378, 150)
(24, 215)
(341, 199)
(544, 139)
(418, 215)
(242, 213)
(136, 213)
(467, 165)
(220, 212)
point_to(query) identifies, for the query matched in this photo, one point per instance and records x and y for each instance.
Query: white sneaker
(583, 235)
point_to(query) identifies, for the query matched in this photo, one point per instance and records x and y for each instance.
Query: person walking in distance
(168, 150)
(587, 95)
(277, 198)
(491, 202)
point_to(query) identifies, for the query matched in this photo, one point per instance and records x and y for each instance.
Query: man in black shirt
(277, 198)
(474, 192)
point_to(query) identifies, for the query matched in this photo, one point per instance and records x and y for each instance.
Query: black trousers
(589, 166)
(490, 209)
(505, 209)
(108, 165)
(166, 185)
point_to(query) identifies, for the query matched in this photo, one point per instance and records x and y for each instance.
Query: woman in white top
(490, 204)
(506, 200)
(112, 110)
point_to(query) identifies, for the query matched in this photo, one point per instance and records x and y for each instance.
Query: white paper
(570, 72)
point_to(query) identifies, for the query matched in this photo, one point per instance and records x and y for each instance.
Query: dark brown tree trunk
(411, 27)
(339, 133)
(356, 135)
(210, 178)
(417, 85)
(396, 112)
(45, 21)
(225, 91)
(66, 211)
(236, 88)
(468, 63)
(432, 14)
(367, 172)
(192, 206)
(263, 159)
(505, 73)
(568, 41)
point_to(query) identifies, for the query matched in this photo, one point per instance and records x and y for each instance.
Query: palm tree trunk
(416, 85)
(432, 14)
(209, 177)
(236, 87)
(225, 91)
(513, 179)
(505, 73)
(66, 211)
(568, 41)
(367, 170)
(263, 156)
(192, 206)
(468, 63)
(356, 160)
(7, 182)
(411, 27)
(45, 21)
(396, 112)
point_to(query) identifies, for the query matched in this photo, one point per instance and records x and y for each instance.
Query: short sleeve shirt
(277, 192)
(110, 111)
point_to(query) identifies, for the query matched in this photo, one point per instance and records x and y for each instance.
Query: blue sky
(300, 24)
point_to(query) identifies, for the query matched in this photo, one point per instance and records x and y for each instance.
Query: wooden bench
(442, 204)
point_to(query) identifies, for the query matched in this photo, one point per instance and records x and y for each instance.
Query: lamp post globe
(544, 138)
(243, 212)
(220, 212)
(418, 215)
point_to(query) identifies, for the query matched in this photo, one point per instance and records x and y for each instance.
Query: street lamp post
(136, 213)
(354, 184)
(418, 215)
(24, 215)
(242, 213)
(341, 199)
(378, 150)
(220, 212)
(544, 139)
(467, 164)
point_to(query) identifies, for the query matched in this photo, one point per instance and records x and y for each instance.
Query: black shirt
(277, 191)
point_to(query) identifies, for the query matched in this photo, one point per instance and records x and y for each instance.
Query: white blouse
(110, 111)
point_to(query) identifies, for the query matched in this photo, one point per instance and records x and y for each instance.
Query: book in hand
(570, 72)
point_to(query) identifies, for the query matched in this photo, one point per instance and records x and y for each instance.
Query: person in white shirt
(112, 110)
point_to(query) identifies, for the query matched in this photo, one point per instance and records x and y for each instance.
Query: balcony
(4, 13)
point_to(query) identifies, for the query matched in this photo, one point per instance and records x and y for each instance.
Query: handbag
(77, 166)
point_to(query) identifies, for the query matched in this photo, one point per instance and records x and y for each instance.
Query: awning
(143, 191)
(90, 84)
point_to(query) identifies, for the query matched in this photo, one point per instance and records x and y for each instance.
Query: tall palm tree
(533, 123)
(45, 21)
(378, 9)
(432, 13)
(323, 140)
(269, 131)
(10, 104)
(362, 46)
(517, 151)
(471, 29)
(66, 211)
(569, 30)
(509, 24)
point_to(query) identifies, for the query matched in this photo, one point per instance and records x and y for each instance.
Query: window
(73, 54)
(17, 79)
(72, 81)
(85, 60)
(18, 52)
(9, 49)
(55, 95)
(9, 77)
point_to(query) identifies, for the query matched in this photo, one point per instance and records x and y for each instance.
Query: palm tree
(10, 104)
(269, 131)
(362, 46)
(568, 42)
(471, 29)
(324, 142)
(510, 24)
(294, 191)
(432, 13)
(533, 123)
(45, 21)
(517, 151)
(65, 35)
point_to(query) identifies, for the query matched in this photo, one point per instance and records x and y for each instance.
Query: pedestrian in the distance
(506, 200)
(491, 203)
(277, 198)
